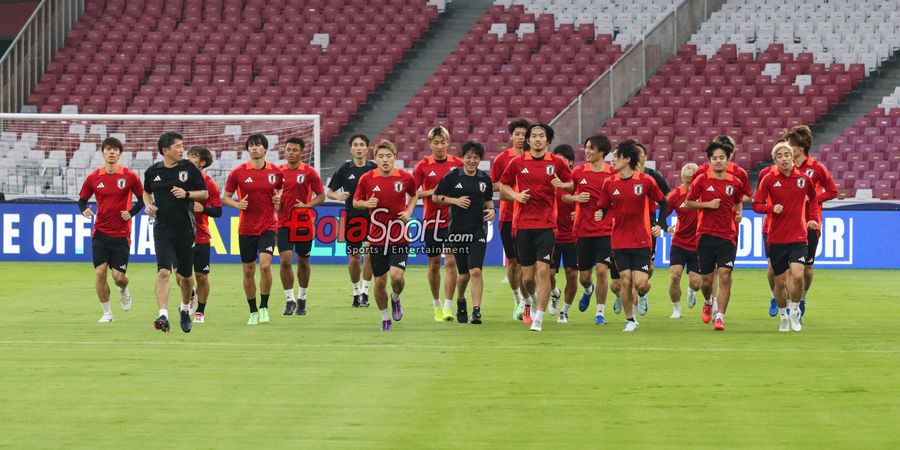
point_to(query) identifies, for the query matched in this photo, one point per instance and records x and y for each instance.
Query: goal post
(47, 156)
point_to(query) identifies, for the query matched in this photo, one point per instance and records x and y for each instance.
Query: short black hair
(716, 145)
(256, 139)
(643, 148)
(296, 140)
(112, 142)
(167, 140)
(629, 149)
(548, 130)
(472, 146)
(600, 142)
(521, 122)
(566, 151)
(359, 136)
(203, 153)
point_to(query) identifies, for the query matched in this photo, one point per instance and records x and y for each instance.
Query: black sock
(201, 307)
(476, 309)
(631, 319)
(461, 300)
(263, 300)
(252, 303)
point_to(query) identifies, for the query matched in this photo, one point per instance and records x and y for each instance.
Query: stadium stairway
(413, 71)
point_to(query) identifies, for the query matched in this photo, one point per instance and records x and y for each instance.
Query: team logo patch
(729, 190)
(801, 182)
(810, 172)
(551, 169)
(398, 186)
(482, 186)
(120, 183)
(271, 178)
(638, 189)
(182, 176)
(300, 178)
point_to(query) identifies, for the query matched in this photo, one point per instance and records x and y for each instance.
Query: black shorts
(354, 243)
(302, 249)
(252, 246)
(382, 259)
(685, 258)
(715, 252)
(781, 256)
(812, 244)
(201, 258)
(632, 259)
(535, 245)
(470, 255)
(509, 242)
(112, 251)
(175, 252)
(566, 253)
(593, 251)
(435, 242)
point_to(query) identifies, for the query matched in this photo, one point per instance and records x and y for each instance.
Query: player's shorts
(201, 258)
(112, 251)
(435, 242)
(595, 250)
(783, 255)
(302, 249)
(632, 259)
(354, 243)
(812, 244)
(509, 242)
(684, 258)
(470, 255)
(535, 245)
(715, 252)
(565, 253)
(175, 252)
(383, 258)
(252, 246)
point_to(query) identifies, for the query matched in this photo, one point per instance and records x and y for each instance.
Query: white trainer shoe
(785, 324)
(617, 305)
(675, 315)
(630, 326)
(125, 300)
(692, 298)
(563, 317)
(199, 317)
(643, 305)
(536, 325)
(794, 319)
(193, 306)
(107, 318)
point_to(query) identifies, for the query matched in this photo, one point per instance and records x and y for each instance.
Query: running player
(594, 247)
(683, 255)
(531, 180)
(301, 181)
(171, 187)
(656, 217)
(517, 130)
(355, 220)
(628, 195)
(564, 252)
(390, 195)
(717, 194)
(258, 185)
(788, 197)
(112, 185)
(427, 173)
(469, 193)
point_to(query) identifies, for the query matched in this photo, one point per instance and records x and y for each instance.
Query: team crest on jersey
(300, 178)
(398, 186)
(551, 169)
(729, 190)
(482, 186)
(182, 176)
(801, 183)
(120, 183)
(810, 172)
(271, 178)
(638, 189)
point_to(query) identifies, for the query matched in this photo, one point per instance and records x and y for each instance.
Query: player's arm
(411, 201)
(811, 215)
(138, 191)
(760, 199)
(831, 191)
(693, 198)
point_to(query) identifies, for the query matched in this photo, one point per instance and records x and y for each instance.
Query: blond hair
(779, 145)
(438, 131)
(385, 144)
(688, 170)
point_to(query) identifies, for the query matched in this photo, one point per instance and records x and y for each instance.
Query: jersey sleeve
(489, 190)
(831, 191)
(136, 188)
(337, 180)
(196, 181)
(739, 194)
(279, 178)
(87, 189)
(745, 181)
(655, 193)
(231, 184)
(362, 188)
(760, 200)
(148, 185)
(811, 213)
(411, 187)
(563, 171)
(443, 186)
(694, 191)
(509, 174)
(315, 183)
(496, 169)
(215, 197)
(603, 201)
(418, 177)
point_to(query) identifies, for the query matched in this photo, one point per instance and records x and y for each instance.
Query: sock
(641, 294)
(301, 293)
(184, 307)
(385, 314)
(793, 306)
(164, 312)
(539, 316)
(476, 309)
(125, 290)
(201, 307)
(517, 295)
(264, 301)
(566, 307)
(395, 297)
(289, 294)
(803, 299)
(448, 303)
(773, 294)
(252, 303)
(782, 312)
(532, 301)
(631, 319)
(437, 303)
(676, 307)
(106, 308)
(720, 316)
(601, 308)
(556, 292)
(589, 290)
(365, 287)
(707, 301)
(355, 288)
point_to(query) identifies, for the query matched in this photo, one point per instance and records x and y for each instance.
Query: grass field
(331, 380)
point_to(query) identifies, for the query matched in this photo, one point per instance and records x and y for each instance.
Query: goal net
(47, 156)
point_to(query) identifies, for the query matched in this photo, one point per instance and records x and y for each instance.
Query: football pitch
(332, 380)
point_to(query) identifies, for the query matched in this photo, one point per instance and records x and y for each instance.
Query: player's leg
(434, 272)
(118, 264)
(184, 255)
(527, 259)
(462, 282)
(286, 273)
(201, 276)
(555, 292)
(675, 272)
(165, 260)
(812, 244)
(304, 272)
(380, 268)
(450, 272)
(513, 272)
(265, 248)
(397, 256)
(692, 267)
(102, 287)
(354, 267)
(707, 267)
(626, 293)
(366, 278)
(725, 256)
(778, 259)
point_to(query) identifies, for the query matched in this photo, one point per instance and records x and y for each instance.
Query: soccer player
(531, 180)
(171, 187)
(788, 197)
(800, 139)
(203, 210)
(112, 185)
(301, 181)
(594, 247)
(564, 251)
(427, 173)
(390, 196)
(628, 195)
(258, 185)
(345, 179)
(643, 302)
(517, 130)
(469, 193)
(717, 195)
(683, 255)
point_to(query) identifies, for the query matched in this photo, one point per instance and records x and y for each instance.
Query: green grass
(331, 380)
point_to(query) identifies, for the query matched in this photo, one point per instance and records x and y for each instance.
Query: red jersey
(427, 173)
(524, 172)
(113, 192)
(391, 192)
(795, 192)
(717, 222)
(685, 235)
(259, 185)
(732, 169)
(629, 199)
(766, 171)
(564, 223)
(588, 180)
(497, 168)
(214, 200)
(299, 185)
(822, 182)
